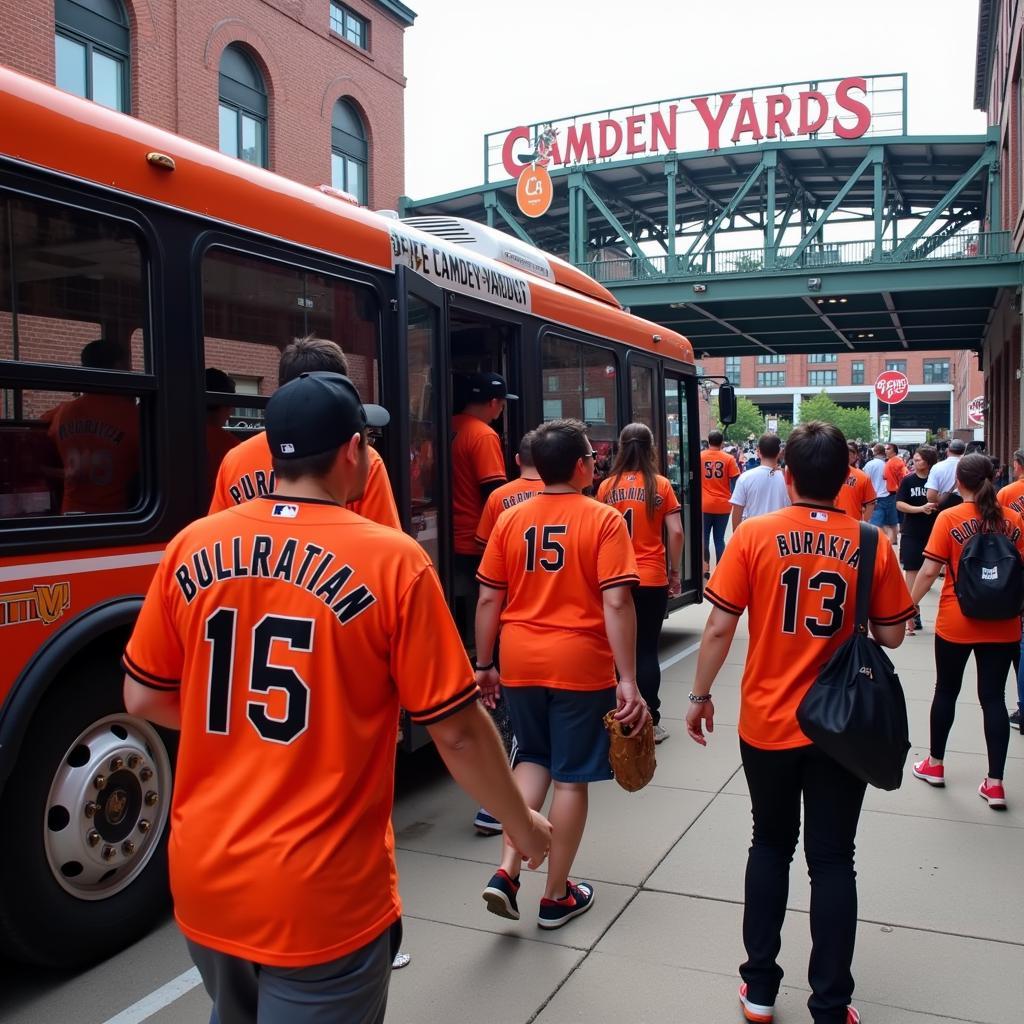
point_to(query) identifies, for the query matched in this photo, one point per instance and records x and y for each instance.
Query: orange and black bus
(131, 262)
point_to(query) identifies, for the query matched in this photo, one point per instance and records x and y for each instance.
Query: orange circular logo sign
(534, 191)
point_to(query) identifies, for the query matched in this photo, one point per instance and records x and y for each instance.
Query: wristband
(694, 699)
(482, 668)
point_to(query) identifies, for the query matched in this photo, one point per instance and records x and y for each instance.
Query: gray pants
(350, 990)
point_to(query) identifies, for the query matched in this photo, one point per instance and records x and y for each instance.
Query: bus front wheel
(83, 866)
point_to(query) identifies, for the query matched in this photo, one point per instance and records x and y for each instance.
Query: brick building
(997, 91)
(942, 385)
(312, 89)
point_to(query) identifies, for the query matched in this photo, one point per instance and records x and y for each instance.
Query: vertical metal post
(770, 163)
(879, 202)
(670, 195)
(489, 204)
(577, 221)
(995, 198)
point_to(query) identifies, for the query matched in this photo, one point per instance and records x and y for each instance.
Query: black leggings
(650, 603)
(993, 662)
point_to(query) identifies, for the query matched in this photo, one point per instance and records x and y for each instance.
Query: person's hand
(490, 686)
(675, 584)
(630, 707)
(533, 843)
(696, 716)
(928, 508)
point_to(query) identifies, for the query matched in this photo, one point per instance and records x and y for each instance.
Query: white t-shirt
(942, 476)
(875, 469)
(760, 490)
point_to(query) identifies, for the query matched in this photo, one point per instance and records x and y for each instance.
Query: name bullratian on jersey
(307, 566)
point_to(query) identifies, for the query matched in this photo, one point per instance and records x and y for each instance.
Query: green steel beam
(624, 235)
(492, 202)
(671, 168)
(737, 198)
(770, 248)
(817, 228)
(983, 161)
(954, 223)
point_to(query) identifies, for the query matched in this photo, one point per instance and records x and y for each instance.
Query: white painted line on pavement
(685, 653)
(152, 1004)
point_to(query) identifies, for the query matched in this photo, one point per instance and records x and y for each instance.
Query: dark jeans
(832, 799)
(715, 522)
(993, 662)
(650, 603)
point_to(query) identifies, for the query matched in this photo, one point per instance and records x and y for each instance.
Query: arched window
(93, 44)
(243, 107)
(349, 151)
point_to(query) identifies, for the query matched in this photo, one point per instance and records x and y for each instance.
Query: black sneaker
(917, 623)
(500, 895)
(486, 824)
(1015, 717)
(579, 898)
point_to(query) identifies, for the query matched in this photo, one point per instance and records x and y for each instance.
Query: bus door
(643, 395)
(681, 432)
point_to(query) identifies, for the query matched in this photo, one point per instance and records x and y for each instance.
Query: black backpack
(989, 580)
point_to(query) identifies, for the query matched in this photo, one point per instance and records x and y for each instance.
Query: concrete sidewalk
(941, 936)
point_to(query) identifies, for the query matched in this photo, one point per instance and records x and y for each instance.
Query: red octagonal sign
(892, 387)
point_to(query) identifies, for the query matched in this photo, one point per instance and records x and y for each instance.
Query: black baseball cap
(482, 387)
(315, 413)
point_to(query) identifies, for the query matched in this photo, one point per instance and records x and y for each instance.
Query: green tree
(748, 420)
(785, 427)
(854, 423)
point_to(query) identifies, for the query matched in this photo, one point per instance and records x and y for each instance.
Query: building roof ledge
(404, 14)
(987, 21)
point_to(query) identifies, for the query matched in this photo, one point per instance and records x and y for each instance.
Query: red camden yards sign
(892, 387)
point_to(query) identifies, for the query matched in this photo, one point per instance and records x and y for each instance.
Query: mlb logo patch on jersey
(287, 449)
(821, 517)
(285, 511)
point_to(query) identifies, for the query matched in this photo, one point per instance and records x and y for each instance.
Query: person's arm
(888, 636)
(488, 616)
(867, 510)
(926, 576)
(737, 515)
(674, 528)
(161, 707)
(620, 625)
(714, 647)
(473, 753)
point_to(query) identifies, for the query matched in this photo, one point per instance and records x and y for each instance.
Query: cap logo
(286, 511)
(287, 449)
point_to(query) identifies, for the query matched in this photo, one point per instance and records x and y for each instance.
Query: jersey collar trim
(278, 498)
(807, 504)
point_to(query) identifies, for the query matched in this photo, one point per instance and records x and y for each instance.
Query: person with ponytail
(651, 509)
(957, 636)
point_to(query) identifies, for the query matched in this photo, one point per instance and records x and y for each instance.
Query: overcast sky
(477, 66)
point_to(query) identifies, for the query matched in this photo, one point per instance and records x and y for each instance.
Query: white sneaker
(660, 734)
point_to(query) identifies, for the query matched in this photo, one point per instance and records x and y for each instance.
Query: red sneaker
(933, 774)
(852, 1015)
(753, 1011)
(994, 794)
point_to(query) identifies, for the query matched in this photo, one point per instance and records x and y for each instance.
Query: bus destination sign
(842, 108)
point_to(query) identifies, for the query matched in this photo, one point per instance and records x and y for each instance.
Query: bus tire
(83, 860)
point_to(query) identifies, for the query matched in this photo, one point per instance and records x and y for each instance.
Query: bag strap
(865, 574)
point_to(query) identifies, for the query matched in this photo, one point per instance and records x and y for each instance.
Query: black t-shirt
(914, 491)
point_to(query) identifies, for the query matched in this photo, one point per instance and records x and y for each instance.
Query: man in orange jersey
(718, 472)
(478, 467)
(795, 574)
(1012, 497)
(557, 573)
(515, 492)
(246, 472)
(97, 438)
(280, 636)
(219, 440)
(857, 495)
(894, 472)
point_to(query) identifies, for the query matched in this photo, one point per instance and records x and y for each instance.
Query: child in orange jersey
(279, 636)
(718, 472)
(527, 485)
(1012, 497)
(649, 505)
(957, 636)
(557, 573)
(795, 574)
(857, 495)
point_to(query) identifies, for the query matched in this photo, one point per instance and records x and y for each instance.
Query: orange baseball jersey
(895, 470)
(507, 496)
(477, 459)
(856, 492)
(953, 528)
(716, 470)
(628, 495)
(555, 555)
(795, 572)
(1012, 496)
(291, 629)
(97, 437)
(246, 472)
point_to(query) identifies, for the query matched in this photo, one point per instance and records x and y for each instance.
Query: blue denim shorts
(562, 730)
(885, 513)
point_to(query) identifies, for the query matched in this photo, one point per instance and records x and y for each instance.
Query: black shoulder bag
(855, 710)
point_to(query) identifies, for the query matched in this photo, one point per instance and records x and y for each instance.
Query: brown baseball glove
(631, 754)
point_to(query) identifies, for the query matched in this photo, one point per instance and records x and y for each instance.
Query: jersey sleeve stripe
(461, 700)
(933, 557)
(147, 678)
(629, 580)
(893, 620)
(488, 582)
(720, 602)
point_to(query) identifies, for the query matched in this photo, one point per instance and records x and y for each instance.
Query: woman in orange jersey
(918, 518)
(649, 504)
(993, 642)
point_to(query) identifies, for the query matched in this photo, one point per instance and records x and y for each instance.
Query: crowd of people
(282, 633)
